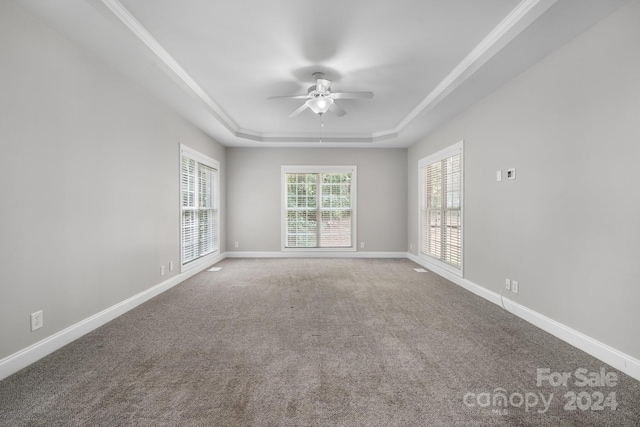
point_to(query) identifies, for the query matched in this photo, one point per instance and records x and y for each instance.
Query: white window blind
(199, 205)
(319, 208)
(441, 206)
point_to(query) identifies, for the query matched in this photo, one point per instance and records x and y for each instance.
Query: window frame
(314, 169)
(450, 151)
(205, 160)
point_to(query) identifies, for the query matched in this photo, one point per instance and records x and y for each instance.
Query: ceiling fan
(320, 99)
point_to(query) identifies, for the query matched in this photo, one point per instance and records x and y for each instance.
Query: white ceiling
(217, 62)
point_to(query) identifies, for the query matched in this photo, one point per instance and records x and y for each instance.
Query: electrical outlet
(515, 286)
(507, 284)
(499, 175)
(237, 244)
(37, 320)
(170, 265)
(410, 246)
(361, 245)
(162, 270)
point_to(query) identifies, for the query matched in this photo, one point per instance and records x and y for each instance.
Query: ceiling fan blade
(337, 110)
(352, 95)
(299, 110)
(289, 97)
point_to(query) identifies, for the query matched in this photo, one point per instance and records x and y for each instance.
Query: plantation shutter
(199, 210)
(452, 227)
(441, 207)
(335, 210)
(302, 206)
(189, 212)
(432, 235)
(207, 213)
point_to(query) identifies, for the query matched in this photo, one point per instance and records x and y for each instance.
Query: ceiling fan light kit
(320, 99)
(319, 105)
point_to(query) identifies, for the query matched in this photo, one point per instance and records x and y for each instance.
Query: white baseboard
(617, 359)
(621, 361)
(311, 254)
(23, 358)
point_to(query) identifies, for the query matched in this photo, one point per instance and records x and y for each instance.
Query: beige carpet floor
(317, 342)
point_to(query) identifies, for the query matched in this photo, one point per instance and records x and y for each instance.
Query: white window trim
(457, 148)
(285, 169)
(206, 160)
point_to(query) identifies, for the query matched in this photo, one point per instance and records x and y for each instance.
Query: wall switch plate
(511, 173)
(170, 265)
(162, 270)
(507, 284)
(361, 245)
(237, 244)
(515, 286)
(37, 320)
(499, 175)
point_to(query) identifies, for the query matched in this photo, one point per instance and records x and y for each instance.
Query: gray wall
(568, 227)
(89, 174)
(254, 190)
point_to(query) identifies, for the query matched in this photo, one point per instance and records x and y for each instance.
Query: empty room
(303, 213)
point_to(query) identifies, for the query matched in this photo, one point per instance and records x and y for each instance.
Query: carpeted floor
(326, 342)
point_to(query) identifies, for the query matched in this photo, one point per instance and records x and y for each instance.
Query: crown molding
(314, 137)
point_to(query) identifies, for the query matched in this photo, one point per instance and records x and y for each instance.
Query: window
(319, 207)
(199, 195)
(441, 208)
